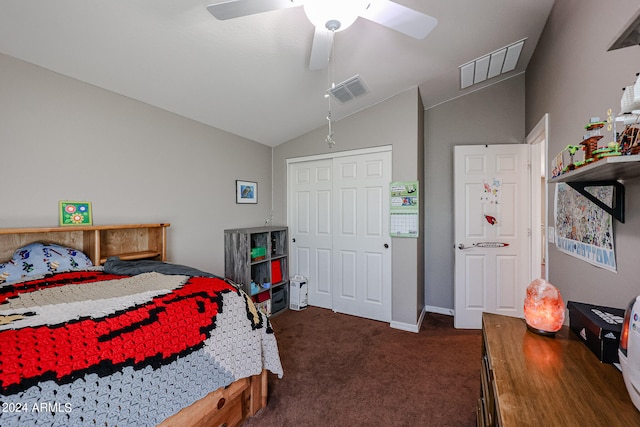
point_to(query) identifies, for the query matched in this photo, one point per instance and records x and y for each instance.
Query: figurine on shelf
(595, 125)
(590, 144)
(557, 165)
(612, 149)
(572, 149)
(635, 145)
(590, 147)
(629, 139)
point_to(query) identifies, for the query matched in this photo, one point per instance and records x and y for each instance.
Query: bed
(135, 342)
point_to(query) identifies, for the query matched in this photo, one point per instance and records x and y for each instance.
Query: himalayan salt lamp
(543, 308)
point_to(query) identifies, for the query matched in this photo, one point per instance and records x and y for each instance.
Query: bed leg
(265, 388)
(258, 393)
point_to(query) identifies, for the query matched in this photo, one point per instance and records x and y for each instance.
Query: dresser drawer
(487, 397)
(480, 414)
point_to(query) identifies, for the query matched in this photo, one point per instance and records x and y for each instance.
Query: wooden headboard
(98, 242)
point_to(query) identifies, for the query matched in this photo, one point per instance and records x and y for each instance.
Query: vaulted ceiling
(250, 76)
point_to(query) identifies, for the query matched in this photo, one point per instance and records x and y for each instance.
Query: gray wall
(61, 139)
(493, 115)
(395, 122)
(573, 77)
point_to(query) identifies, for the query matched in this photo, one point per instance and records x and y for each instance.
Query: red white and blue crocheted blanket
(92, 348)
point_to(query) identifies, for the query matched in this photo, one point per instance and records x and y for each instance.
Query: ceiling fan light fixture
(334, 15)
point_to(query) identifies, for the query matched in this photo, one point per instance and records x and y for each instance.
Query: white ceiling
(249, 76)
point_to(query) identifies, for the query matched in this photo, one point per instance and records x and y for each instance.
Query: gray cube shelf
(241, 268)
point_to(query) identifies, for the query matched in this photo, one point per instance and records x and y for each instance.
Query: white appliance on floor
(629, 350)
(298, 293)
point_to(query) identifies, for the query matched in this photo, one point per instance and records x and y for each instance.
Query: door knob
(461, 246)
(386, 246)
(293, 240)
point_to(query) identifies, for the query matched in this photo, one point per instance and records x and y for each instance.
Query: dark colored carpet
(342, 370)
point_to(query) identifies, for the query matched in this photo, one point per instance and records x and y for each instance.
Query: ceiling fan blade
(321, 49)
(400, 18)
(237, 8)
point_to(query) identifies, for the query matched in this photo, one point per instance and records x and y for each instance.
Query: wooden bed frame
(228, 406)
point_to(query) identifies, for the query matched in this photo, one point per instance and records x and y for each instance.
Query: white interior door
(361, 241)
(310, 226)
(491, 206)
(339, 226)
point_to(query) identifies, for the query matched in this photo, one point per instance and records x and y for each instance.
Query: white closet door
(310, 206)
(361, 242)
(339, 224)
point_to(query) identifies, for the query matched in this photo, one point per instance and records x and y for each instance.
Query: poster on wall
(584, 230)
(404, 209)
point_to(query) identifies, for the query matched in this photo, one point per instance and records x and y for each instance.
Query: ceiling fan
(330, 16)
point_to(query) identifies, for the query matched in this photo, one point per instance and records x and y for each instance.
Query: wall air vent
(348, 89)
(491, 65)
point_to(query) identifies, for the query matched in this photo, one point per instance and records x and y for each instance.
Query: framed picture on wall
(75, 213)
(246, 192)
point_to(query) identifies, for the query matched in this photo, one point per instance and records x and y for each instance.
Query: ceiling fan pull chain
(329, 139)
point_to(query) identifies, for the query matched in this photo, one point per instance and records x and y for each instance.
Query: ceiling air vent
(349, 89)
(491, 65)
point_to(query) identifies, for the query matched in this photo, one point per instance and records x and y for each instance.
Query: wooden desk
(532, 380)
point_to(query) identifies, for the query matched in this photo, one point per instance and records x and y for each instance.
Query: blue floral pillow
(40, 258)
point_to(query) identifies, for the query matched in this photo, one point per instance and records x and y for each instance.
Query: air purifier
(629, 350)
(298, 293)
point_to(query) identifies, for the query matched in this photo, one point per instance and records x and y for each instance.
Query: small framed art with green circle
(75, 213)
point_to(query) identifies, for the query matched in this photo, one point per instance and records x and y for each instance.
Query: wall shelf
(604, 173)
(607, 169)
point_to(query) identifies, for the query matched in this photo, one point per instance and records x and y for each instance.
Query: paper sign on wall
(490, 191)
(404, 211)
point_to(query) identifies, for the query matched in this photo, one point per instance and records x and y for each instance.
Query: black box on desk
(598, 327)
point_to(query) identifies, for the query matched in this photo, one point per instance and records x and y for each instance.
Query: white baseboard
(408, 326)
(426, 309)
(440, 310)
